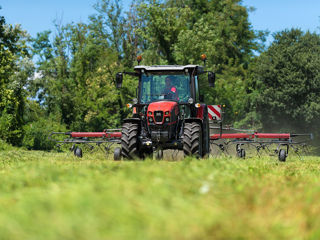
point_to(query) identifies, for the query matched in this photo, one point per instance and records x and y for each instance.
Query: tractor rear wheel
(206, 135)
(192, 139)
(129, 140)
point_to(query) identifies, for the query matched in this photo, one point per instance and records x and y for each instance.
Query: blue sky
(272, 15)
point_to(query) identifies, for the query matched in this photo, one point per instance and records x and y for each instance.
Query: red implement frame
(95, 134)
(212, 137)
(250, 136)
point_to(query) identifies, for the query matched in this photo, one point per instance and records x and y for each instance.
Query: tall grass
(57, 196)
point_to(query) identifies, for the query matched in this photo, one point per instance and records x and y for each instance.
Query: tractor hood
(165, 106)
(162, 119)
(163, 112)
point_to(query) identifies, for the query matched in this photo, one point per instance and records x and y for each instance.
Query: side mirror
(119, 78)
(211, 78)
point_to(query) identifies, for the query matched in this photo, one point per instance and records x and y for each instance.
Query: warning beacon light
(139, 59)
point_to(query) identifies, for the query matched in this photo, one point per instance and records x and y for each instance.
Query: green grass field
(56, 196)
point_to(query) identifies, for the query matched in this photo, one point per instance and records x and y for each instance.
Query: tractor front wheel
(129, 140)
(192, 139)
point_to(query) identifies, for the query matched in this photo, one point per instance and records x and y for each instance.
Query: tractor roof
(158, 68)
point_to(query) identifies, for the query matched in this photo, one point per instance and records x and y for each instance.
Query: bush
(10, 131)
(37, 132)
(4, 145)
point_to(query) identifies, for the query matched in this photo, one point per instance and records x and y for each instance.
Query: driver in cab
(170, 91)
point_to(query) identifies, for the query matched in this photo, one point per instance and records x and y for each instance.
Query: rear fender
(188, 120)
(133, 120)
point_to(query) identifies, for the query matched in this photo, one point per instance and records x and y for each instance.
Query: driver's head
(168, 81)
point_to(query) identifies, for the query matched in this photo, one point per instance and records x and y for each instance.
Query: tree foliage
(285, 83)
(15, 68)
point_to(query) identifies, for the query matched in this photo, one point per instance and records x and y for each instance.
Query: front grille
(158, 116)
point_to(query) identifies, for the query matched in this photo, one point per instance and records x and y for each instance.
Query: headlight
(135, 101)
(150, 113)
(166, 113)
(190, 100)
(150, 119)
(167, 119)
(197, 105)
(129, 105)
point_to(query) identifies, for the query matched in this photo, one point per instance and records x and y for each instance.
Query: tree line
(65, 79)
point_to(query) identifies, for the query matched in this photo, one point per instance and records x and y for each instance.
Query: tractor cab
(168, 106)
(159, 83)
(168, 82)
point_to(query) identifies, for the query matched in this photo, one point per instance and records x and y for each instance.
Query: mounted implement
(271, 143)
(104, 140)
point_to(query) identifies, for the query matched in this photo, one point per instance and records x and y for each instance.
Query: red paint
(272, 135)
(250, 135)
(200, 111)
(96, 134)
(165, 106)
(231, 135)
(113, 134)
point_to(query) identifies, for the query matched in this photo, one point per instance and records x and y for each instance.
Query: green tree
(15, 69)
(285, 83)
(77, 77)
(160, 30)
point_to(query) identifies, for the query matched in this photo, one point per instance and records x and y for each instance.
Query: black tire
(78, 152)
(117, 154)
(282, 155)
(129, 140)
(243, 153)
(239, 153)
(206, 135)
(192, 139)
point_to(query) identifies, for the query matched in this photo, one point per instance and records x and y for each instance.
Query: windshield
(159, 87)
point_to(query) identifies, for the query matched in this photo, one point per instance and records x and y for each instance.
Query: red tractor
(168, 112)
